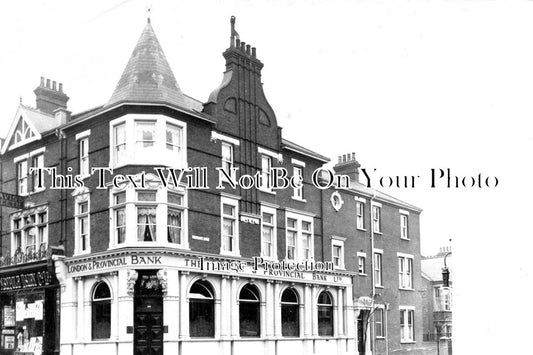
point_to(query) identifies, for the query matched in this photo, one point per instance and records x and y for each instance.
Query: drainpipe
(371, 227)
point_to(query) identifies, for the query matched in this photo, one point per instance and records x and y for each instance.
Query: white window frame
(300, 218)
(404, 225)
(360, 217)
(39, 157)
(83, 147)
(405, 271)
(407, 332)
(378, 267)
(231, 160)
(22, 176)
(338, 242)
(158, 154)
(361, 256)
(25, 226)
(273, 225)
(161, 204)
(298, 169)
(376, 217)
(235, 246)
(266, 174)
(381, 309)
(79, 200)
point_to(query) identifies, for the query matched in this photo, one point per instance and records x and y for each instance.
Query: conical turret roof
(148, 77)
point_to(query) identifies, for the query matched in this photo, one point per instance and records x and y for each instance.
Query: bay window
(156, 216)
(142, 139)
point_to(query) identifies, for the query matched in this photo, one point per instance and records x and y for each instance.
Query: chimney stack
(49, 97)
(348, 165)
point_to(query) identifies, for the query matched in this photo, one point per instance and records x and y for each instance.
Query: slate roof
(286, 144)
(148, 77)
(43, 122)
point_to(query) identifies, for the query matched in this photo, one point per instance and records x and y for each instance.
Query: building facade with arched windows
(166, 235)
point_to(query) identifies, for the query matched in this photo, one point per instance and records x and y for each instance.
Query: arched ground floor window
(325, 314)
(290, 309)
(201, 310)
(101, 311)
(249, 313)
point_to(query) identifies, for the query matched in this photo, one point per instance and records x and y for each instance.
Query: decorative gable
(22, 132)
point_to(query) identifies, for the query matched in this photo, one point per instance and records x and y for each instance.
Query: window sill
(362, 229)
(299, 199)
(405, 238)
(362, 274)
(230, 253)
(84, 176)
(146, 245)
(380, 338)
(378, 233)
(379, 286)
(267, 191)
(339, 268)
(406, 289)
(407, 342)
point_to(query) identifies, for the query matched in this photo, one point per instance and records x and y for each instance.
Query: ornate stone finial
(132, 278)
(234, 33)
(162, 277)
(148, 12)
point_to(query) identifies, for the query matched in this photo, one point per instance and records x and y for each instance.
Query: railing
(435, 336)
(20, 258)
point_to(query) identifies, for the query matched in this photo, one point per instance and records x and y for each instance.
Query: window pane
(201, 318)
(120, 224)
(174, 198)
(146, 224)
(145, 132)
(173, 137)
(174, 221)
(146, 196)
(290, 326)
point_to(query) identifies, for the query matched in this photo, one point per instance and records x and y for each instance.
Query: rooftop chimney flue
(48, 98)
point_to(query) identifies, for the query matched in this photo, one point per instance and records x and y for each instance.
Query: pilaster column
(114, 308)
(225, 309)
(308, 310)
(234, 307)
(314, 309)
(340, 315)
(349, 309)
(184, 306)
(277, 309)
(80, 334)
(269, 309)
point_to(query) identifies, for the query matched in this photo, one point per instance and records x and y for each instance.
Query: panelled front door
(148, 316)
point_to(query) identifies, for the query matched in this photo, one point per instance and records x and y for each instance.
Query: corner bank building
(132, 262)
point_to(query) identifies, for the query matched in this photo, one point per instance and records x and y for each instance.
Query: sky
(409, 86)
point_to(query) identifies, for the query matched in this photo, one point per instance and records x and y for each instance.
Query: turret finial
(234, 34)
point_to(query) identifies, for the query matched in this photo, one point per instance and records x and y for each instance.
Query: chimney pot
(253, 52)
(47, 83)
(42, 81)
(243, 46)
(237, 43)
(60, 87)
(54, 85)
(353, 155)
(340, 159)
(248, 49)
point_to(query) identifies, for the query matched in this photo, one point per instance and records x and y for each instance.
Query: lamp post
(445, 288)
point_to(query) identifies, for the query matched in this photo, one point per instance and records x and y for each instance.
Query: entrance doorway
(148, 314)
